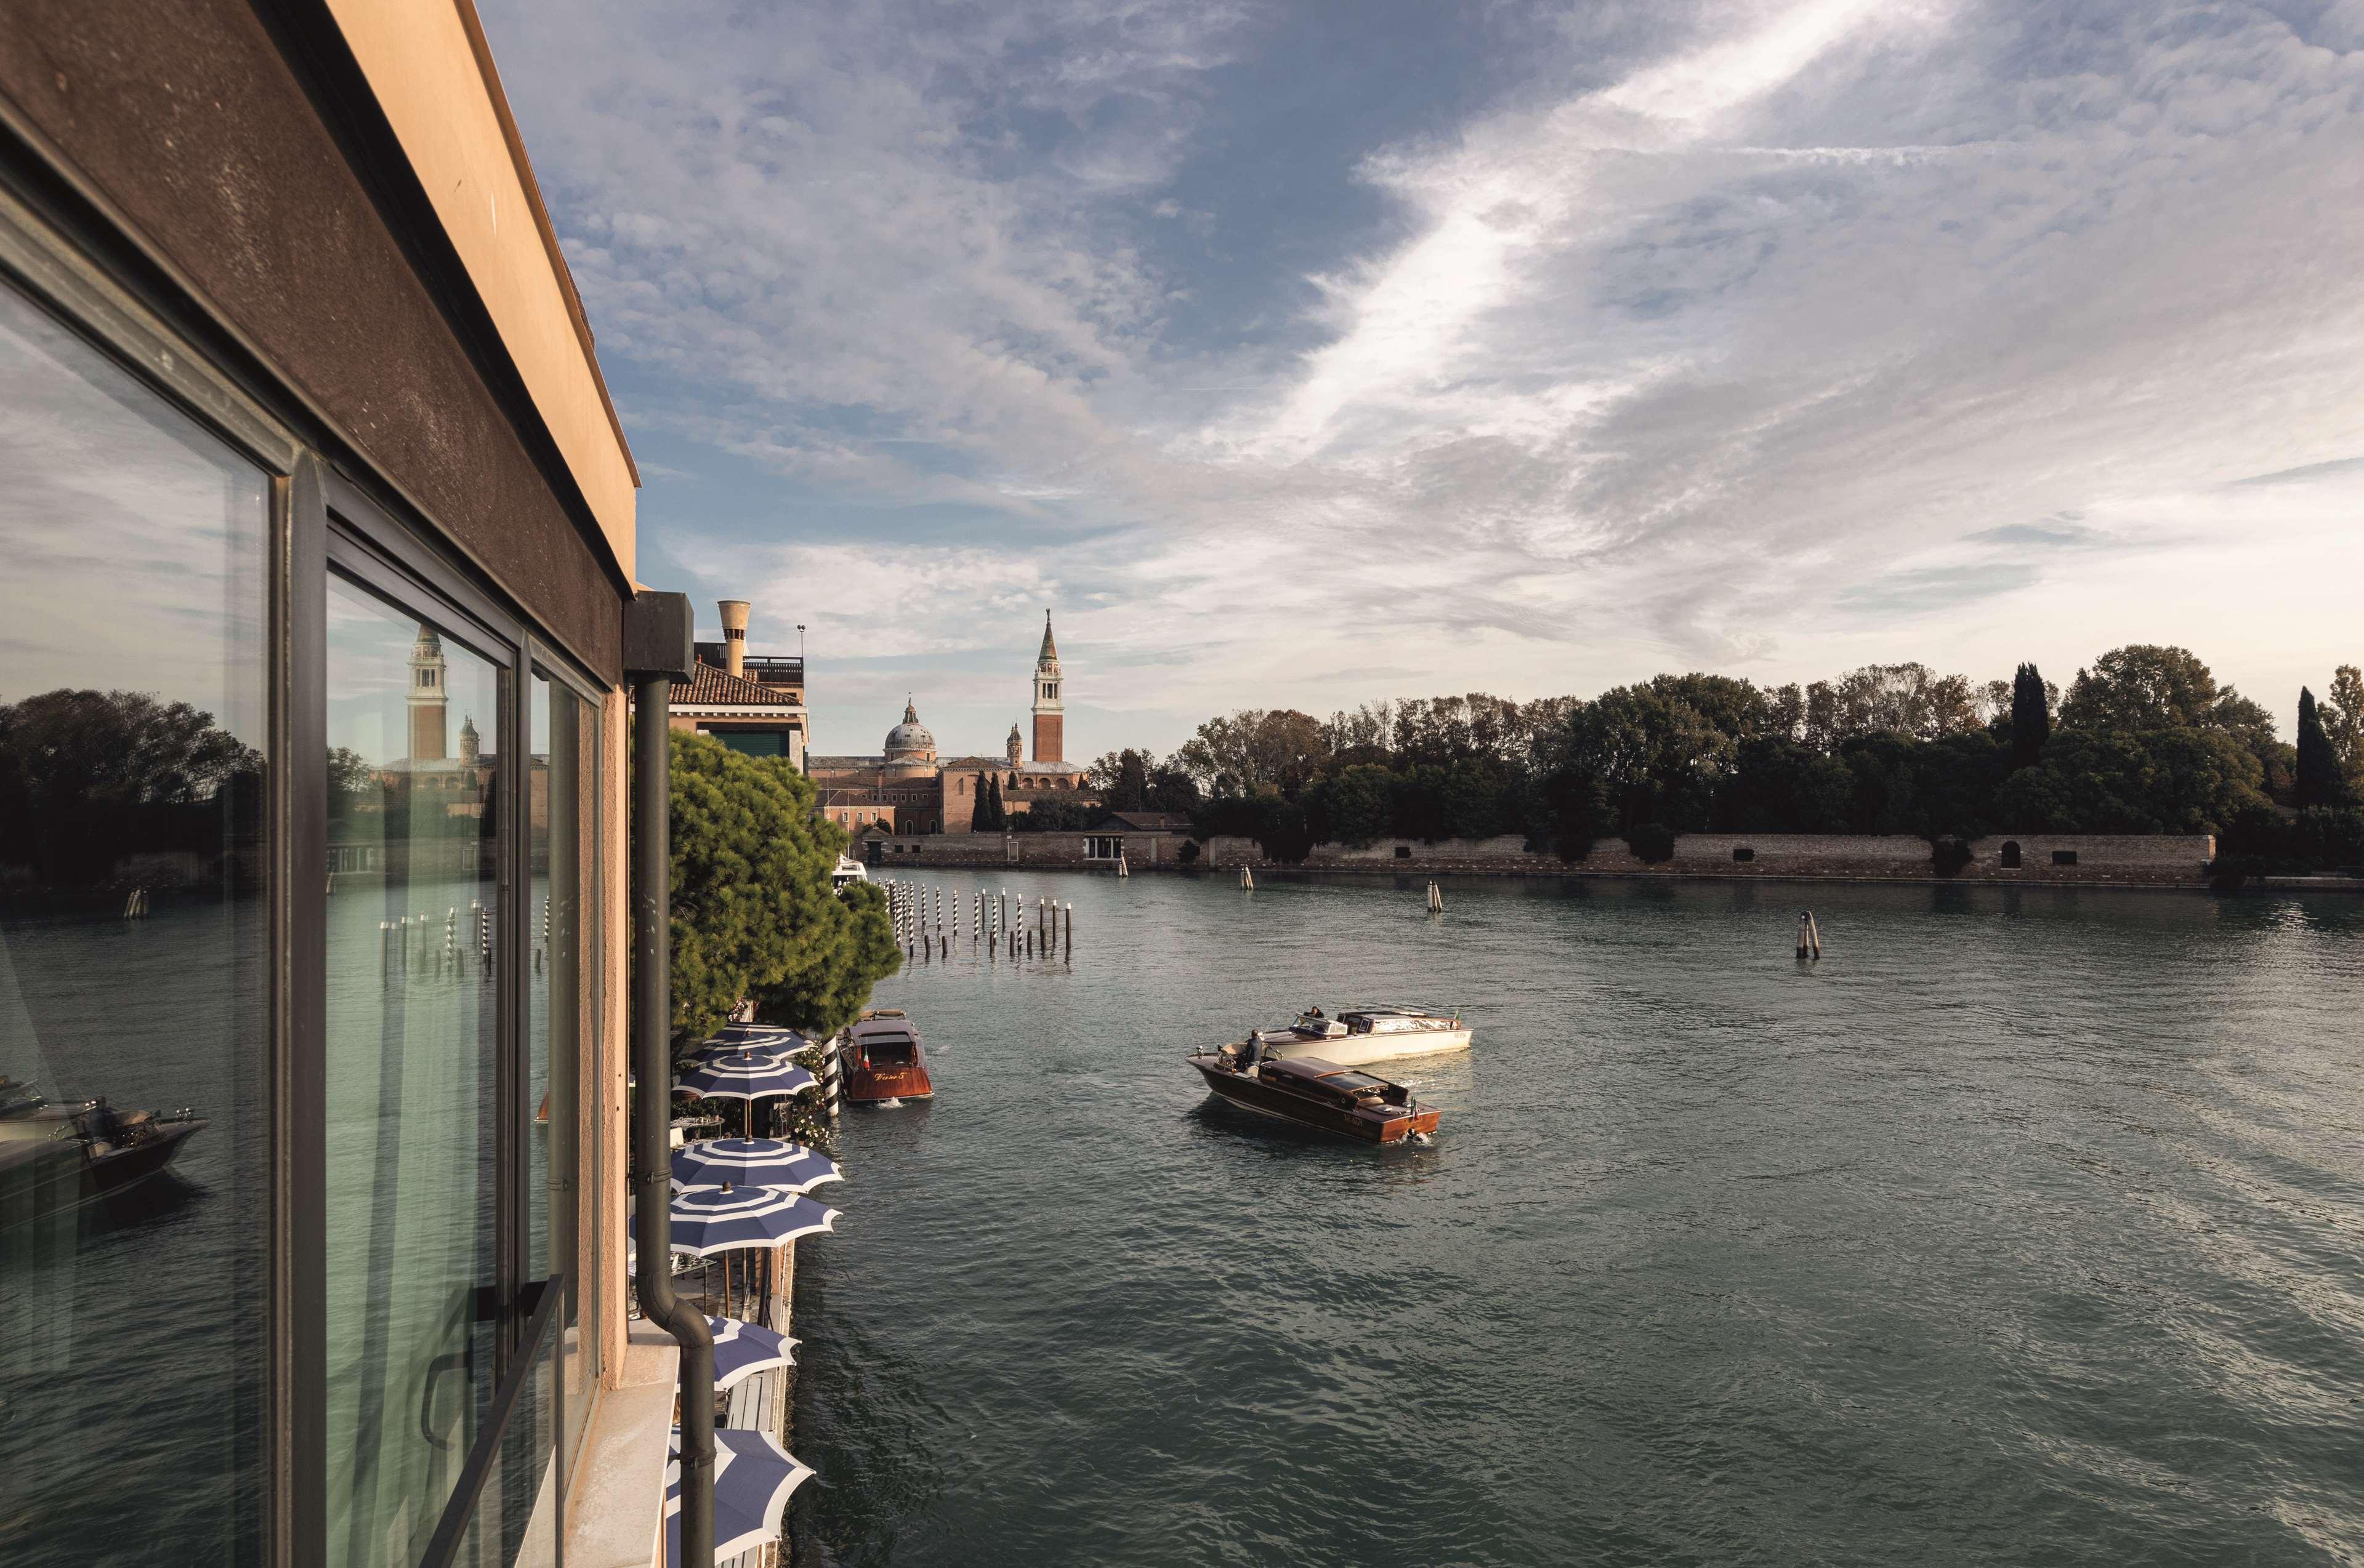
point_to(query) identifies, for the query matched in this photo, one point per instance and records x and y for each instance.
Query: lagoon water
(2027, 1227)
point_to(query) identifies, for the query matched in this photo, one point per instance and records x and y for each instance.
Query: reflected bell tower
(430, 702)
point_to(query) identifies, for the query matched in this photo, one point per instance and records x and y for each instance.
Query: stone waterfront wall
(2162, 859)
(2159, 861)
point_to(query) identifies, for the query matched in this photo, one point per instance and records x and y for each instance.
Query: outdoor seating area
(740, 1201)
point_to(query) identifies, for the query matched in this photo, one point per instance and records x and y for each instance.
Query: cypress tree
(988, 817)
(2031, 717)
(2318, 782)
(1000, 816)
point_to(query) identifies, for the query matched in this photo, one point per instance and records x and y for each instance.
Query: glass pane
(134, 970)
(563, 1015)
(517, 1518)
(413, 959)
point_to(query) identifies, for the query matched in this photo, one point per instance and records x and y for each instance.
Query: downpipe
(649, 644)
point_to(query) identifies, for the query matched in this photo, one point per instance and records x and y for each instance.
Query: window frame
(69, 256)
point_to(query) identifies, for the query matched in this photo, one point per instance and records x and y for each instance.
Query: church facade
(909, 787)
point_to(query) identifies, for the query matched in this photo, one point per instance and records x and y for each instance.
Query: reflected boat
(1360, 1036)
(58, 1157)
(1313, 1092)
(885, 1062)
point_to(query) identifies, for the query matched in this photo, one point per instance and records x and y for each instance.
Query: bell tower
(1050, 712)
(429, 702)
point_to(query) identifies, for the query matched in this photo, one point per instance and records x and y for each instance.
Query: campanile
(1050, 713)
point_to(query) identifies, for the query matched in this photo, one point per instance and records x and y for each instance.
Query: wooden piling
(1068, 928)
(1247, 879)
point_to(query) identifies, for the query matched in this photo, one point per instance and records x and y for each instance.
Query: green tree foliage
(1054, 816)
(2031, 717)
(2156, 781)
(2318, 779)
(990, 816)
(2342, 712)
(87, 777)
(2142, 686)
(753, 913)
(1255, 751)
(1358, 806)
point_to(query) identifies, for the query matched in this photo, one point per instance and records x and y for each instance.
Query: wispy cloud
(1518, 347)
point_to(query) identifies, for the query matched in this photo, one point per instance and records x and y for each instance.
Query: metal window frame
(69, 256)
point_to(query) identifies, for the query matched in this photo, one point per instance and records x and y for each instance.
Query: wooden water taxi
(1315, 1093)
(884, 1061)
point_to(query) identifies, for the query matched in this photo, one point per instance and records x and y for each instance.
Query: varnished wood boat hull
(868, 1085)
(1364, 1126)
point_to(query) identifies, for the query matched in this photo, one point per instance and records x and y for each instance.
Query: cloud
(1718, 333)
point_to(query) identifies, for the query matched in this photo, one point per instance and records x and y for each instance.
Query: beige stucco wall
(438, 90)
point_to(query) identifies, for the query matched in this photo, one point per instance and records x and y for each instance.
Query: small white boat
(1364, 1035)
(848, 870)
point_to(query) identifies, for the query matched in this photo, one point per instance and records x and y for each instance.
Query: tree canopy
(754, 916)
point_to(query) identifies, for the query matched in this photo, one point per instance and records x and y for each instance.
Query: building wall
(185, 119)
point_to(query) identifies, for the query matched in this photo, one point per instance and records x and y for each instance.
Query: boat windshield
(1356, 1083)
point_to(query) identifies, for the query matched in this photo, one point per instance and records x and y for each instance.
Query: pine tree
(2031, 717)
(2318, 782)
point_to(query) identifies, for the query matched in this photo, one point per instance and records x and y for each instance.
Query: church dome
(910, 740)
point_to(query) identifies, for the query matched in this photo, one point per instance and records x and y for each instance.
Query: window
(2064, 857)
(1742, 853)
(754, 742)
(2010, 855)
(1104, 847)
(415, 976)
(136, 954)
(1403, 852)
(562, 997)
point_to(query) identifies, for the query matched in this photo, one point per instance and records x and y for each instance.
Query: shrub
(1949, 854)
(1652, 843)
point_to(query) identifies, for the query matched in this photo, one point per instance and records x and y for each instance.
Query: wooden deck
(761, 1403)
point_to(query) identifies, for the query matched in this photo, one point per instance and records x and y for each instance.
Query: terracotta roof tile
(711, 687)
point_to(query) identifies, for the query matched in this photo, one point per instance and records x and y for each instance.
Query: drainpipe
(657, 648)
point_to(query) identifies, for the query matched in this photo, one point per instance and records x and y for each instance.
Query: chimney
(734, 636)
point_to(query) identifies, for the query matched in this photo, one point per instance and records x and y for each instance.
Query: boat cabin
(1327, 1081)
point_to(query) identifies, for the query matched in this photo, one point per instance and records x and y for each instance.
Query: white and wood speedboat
(1360, 1036)
(1317, 1094)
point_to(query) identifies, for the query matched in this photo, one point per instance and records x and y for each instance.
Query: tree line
(2143, 740)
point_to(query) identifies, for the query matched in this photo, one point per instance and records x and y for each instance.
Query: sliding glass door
(416, 959)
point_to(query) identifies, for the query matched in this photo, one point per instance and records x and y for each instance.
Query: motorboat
(885, 1062)
(59, 1156)
(1360, 1036)
(1314, 1092)
(849, 870)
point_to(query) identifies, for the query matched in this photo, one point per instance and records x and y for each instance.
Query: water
(2025, 1227)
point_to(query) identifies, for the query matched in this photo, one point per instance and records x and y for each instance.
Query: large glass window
(134, 976)
(414, 976)
(563, 1007)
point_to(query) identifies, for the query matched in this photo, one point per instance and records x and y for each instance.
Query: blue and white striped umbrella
(753, 1163)
(753, 1476)
(742, 1350)
(754, 1037)
(744, 1075)
(707, 1220)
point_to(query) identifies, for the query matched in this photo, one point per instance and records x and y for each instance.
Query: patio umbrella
(753, 1163)
(744, 1075)
(742, 1350)
(757, 1036)
(753, 1478)
(707, 1220)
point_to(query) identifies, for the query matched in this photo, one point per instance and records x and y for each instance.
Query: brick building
(908, 788)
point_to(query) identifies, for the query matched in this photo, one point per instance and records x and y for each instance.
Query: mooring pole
(1068, 927)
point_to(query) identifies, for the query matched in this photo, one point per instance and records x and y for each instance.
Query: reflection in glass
(561, 1014)
(134, 998)
(413, 960)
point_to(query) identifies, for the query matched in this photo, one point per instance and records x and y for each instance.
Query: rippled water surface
(2029, 1227)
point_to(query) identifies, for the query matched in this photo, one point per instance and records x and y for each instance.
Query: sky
(1305, 356)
